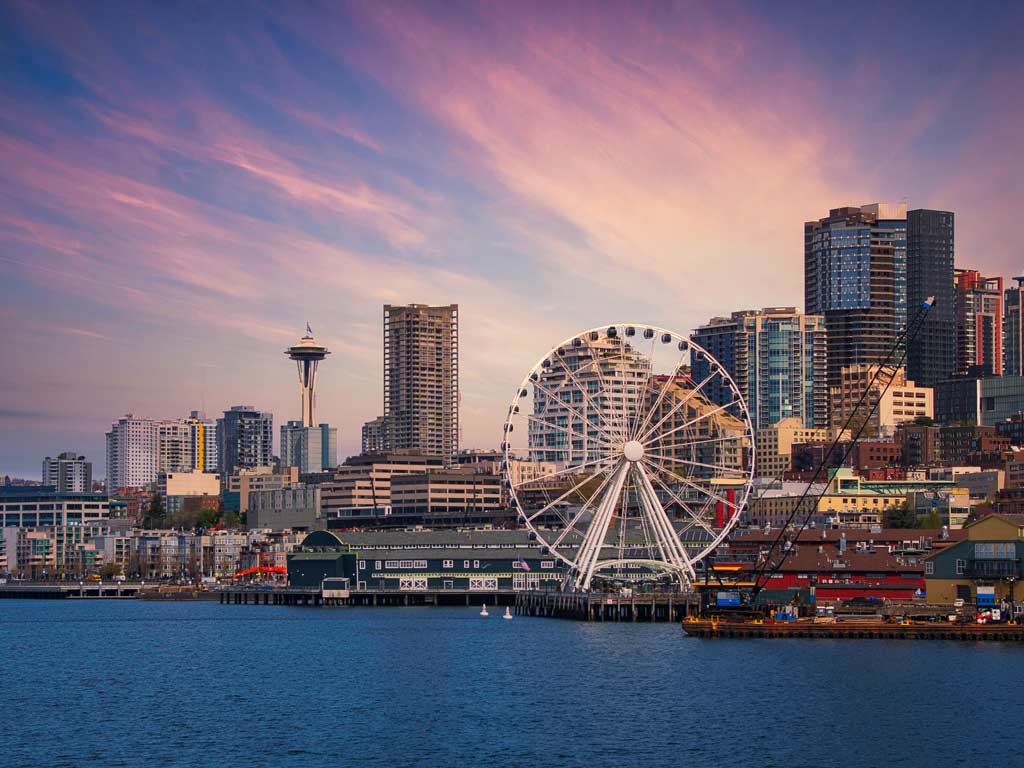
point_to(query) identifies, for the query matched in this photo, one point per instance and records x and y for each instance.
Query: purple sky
(183, 186)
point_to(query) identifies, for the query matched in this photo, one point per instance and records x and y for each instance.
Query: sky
(184, 185)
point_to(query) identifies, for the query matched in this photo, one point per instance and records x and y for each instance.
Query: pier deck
(852, 630)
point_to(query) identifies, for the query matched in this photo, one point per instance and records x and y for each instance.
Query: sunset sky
(184, 186)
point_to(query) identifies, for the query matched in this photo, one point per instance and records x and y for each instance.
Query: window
(960, 564)
(476, 563)
(362, 565)
(547, 564)
(376, 565)
(465, 563)
(448, 564)
(929, 568)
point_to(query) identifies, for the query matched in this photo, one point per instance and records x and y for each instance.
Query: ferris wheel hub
(633, 451)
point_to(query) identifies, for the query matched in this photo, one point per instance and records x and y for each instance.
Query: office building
(361, 487)
(204, 442)
(375, 436)
(246, 439)
(778, 359)
(979, 323)
(42, 505)
(311, 449)
(774, 443)
(239, 486)
(294, 507)
(902, 402)
(421, 379)
(68, 473)
(132, 453)
(855, 275)
(177, 487)
(930, 257)
(1013, 329)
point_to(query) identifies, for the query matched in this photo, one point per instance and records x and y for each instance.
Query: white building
(68, 473)
(132, 453)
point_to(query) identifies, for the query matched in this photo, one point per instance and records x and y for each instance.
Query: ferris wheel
(629, 454)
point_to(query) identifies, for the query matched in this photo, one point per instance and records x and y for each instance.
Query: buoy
(508, 613)
(484, 611)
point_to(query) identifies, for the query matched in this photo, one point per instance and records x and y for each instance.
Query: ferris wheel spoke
(674, 460)
(580, 416)
(657, 445)
(565, 495)
(649, 415)
(698, 519)
(593, 539)
(566, 471)
(675, 409)
(703, 490)
(693, 421)
(579, 515)
(568, 430)
(618, 356)
(583, 390)
(669, 543)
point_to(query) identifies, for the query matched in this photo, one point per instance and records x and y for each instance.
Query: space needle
(307, 353)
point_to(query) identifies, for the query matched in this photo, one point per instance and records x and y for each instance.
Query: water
(98, 683)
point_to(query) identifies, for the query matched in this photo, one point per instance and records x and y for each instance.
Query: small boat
(484, 611)
(508, 613)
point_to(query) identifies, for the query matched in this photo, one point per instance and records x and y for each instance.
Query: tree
(110, 570)
(231, 520)
(901, 517)
(155, 513)
(924, 421)
(207, 518)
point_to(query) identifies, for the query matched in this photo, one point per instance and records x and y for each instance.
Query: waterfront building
(421, 379)
(903, 401)
(778, 358)
(979, 323)
(361, 487)
(981, 570)
(1013, 329)
(311, 449)
(246, 439)
(68, 473)
(132, 453)
(294, 507)
(930, 259)
(375, 436)
(41, 505)
(205, 443)
(238, 486)
(595, 382)
(855, 275)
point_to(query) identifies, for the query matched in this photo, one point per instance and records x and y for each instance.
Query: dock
(852, 630)
(315, 597)
(642, 606)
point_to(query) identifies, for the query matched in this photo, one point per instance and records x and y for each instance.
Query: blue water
(99, 683)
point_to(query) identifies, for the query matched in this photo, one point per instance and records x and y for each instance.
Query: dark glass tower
(855, 274)
(932, 357)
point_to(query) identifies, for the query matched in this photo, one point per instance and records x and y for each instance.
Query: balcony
(993, 569)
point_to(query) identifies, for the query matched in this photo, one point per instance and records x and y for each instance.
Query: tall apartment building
(246, 439)
(1013, 329)
(375, 436)
(68, 473)
(979, 322)
(904, 401)
(174, 446)
(778, 358)
(855, 275)
(204, 443)
(311, 449)
(930, 258)
(421, 379)
(132, 453)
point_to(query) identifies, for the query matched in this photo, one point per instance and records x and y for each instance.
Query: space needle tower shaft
(307, 354)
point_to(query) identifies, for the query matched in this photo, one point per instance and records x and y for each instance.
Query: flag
(523, 564)
(308, 329)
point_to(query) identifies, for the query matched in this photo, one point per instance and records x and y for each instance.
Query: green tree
(924, 421)
(110, 570)
(231, 520)
(207, 518)
(154, 515)
(901, 517)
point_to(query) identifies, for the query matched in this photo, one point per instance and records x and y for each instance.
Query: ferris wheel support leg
(590, 548)
(664, 533)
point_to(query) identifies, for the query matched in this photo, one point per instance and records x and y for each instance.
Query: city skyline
(157, 252)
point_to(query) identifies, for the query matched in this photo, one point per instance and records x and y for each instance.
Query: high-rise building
(375, 436)
(855, 275)
(1013, 329)
(902, 402)
(311, 449)
(68, 473)
(778, 359)
(205, 445)
(930, 257)
(132, 453)
(246, 439)
(979, 323)
(421, 379)
(174, 446)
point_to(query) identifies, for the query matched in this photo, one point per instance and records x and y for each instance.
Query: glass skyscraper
(778, 358)
(932, 357)
(855, 275)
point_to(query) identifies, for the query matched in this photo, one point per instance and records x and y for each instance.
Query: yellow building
(774, 444)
